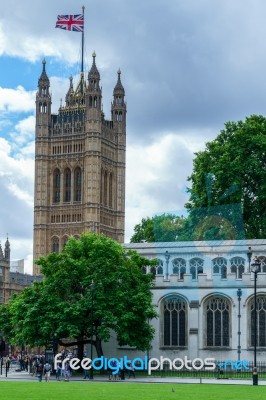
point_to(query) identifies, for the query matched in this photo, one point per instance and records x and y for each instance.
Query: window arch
(159, 267)
(67, 185)
(261, 321)
(55, 245)
(110, 190)
(263, 263)
(174, 322)
(64, 241)
(105, 185)
(179, 267)
(217, 311)
(56, 186)
(196, 267)
(220, 267)
(237, 266)
(77, 184)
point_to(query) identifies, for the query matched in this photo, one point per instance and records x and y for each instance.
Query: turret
(94, 93)
(43, 102)
(1, 252)
(119, 108)
(7, 250)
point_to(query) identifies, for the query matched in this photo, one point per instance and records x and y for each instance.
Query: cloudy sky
(187, 66)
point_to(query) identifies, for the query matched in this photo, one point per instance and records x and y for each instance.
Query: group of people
(42, 369)
(120, 372)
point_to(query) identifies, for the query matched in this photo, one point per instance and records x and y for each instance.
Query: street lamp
(255, 268)
(92, 289)
(239, 294)
(249, 254)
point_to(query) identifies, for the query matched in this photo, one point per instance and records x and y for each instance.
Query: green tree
(159, 228)
(230, 174)
(94, 286)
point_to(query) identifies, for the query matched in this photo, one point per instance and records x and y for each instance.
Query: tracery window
(179, 267)
(261, 321)
(77, 183)
(262, 264)
(217, 311)
(238, 266)
(55, 245)
(196, 267)
(67, 182)
(110, 190)
(56, 184)
(220, 267)
(174, 317)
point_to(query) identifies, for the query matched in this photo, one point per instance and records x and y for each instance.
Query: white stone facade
(196, 294)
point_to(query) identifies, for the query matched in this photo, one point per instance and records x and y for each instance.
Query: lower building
(11, 282)
(204, 296)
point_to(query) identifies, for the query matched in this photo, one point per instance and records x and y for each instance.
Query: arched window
(77, 184)
(56, 184)
(237, 266)
(261, 321)
(174, 325)
(196, 267)
(67, 184)
(110, 190)
(55, 245)
(153, 271)
(105, 184)
(220, 267)
(64, 241)
(159, 267)
(262, 264)
(217, 311)
(179, 267)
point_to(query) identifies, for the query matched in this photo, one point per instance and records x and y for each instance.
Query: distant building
(17, 266)
(11, 282)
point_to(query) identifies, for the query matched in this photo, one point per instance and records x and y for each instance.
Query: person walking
(131, 371)
(47, 371)
(39, 371)
(67, 371)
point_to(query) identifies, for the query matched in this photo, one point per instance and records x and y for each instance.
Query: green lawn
(126, 391)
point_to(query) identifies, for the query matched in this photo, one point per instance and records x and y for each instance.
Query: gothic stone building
(11, 282)
(79, 164)
(204, 296)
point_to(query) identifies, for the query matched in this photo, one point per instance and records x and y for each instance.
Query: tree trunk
(98, 346)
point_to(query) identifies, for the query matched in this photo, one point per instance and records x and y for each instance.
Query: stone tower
(5, 272)
(79, 164)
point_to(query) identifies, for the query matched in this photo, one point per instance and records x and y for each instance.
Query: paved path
(25, 376)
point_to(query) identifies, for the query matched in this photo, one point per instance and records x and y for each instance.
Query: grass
(126, 391)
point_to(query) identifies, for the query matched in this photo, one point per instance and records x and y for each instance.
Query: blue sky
(188, 66)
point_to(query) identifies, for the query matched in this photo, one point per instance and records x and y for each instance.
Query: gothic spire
(43, 77)
(119, 89)
(7, 250)
(1, 252)
(94, 73)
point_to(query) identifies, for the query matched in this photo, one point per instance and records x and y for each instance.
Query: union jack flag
(71, 22)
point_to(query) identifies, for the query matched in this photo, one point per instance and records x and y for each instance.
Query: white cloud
(17, 100)
(156, 177)
(17, 174)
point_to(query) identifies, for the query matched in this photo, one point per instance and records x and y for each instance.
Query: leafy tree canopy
(230, 174)
(94, 286)
(159, 228)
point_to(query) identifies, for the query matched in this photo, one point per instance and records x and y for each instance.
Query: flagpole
(82, 42)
